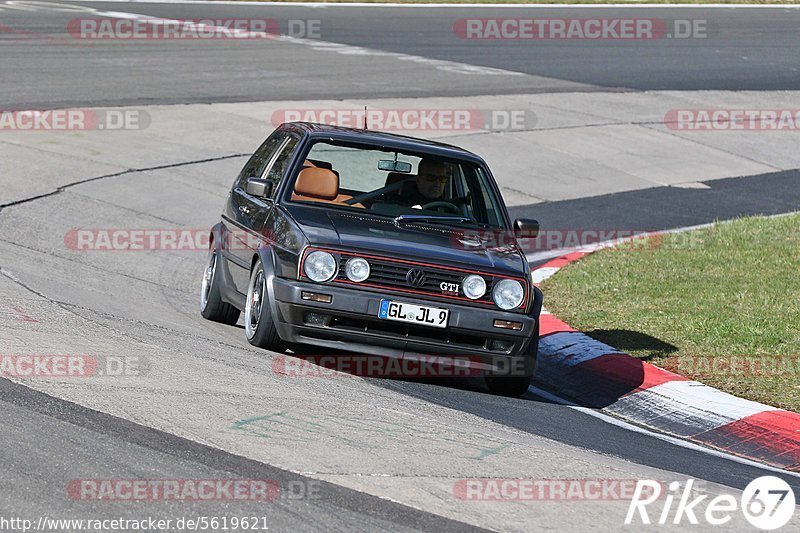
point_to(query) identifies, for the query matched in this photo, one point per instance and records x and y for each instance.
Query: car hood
(480, 249)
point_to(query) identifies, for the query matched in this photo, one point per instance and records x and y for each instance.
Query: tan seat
(315, 184)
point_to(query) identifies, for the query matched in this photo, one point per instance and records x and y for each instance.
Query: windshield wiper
(431, 218)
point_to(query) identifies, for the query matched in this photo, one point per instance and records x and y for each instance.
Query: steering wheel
(447, 205)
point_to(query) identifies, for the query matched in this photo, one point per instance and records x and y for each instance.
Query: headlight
(508, 294)
(357, 269)
(474, 286)
(320, 266)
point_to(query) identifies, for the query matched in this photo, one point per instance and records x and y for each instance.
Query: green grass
(695, 302)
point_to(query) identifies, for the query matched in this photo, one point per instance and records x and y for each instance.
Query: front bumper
(350, 323)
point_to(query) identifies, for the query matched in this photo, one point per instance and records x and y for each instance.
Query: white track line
(325, 46)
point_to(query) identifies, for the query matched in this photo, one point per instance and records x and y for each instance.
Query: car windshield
(405, 185)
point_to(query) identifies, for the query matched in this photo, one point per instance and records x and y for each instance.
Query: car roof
(380, 138)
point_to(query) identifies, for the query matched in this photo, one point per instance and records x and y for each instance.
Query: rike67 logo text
(767, 503)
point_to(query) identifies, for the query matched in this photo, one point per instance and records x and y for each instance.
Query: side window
(481, 206)
(485, 201)
(279, 162)
(256, 165)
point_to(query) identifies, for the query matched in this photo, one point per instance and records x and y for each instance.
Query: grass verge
(720, 305)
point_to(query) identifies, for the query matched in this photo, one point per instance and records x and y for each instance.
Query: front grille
(392, 275)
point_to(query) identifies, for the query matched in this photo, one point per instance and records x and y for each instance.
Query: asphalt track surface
(29, 417)
(745, 50)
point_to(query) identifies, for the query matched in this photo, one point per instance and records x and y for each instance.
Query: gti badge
(449, 288)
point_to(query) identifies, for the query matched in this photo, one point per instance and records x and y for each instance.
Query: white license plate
(415, 314)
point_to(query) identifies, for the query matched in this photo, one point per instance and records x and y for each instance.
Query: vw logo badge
(415, 277)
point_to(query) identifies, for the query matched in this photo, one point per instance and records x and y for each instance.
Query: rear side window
(279, 162)
(257, 164)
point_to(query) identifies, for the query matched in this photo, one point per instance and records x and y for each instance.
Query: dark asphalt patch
(661, 208)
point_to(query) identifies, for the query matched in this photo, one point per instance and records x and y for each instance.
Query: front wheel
(259, 327)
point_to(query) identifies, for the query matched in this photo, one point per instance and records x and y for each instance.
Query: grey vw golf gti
(375, 243)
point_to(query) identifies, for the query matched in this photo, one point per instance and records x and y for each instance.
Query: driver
(431, 181)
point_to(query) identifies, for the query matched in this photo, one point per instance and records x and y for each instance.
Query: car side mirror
(526, 228)
(257, 187)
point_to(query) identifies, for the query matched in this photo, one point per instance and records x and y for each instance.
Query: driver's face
(431, 182)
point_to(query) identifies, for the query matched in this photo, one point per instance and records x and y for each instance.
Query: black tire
(515, 386)
(211, 305)
(259, 326)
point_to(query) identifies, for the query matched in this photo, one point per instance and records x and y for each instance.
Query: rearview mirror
(526, 228)
(257, 187)
(390, 165)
